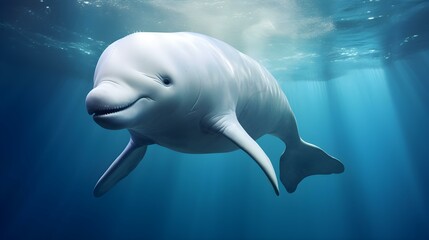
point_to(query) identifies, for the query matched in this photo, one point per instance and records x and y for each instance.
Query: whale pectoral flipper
(302, 160)
(120, 168)
(230, 127)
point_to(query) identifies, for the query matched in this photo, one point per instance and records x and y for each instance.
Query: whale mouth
(109, 110)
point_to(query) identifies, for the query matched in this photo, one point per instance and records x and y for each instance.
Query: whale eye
(166, 79)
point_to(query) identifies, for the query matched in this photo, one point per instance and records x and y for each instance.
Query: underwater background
(355, 73)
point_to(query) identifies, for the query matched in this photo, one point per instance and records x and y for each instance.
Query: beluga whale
(195, 94)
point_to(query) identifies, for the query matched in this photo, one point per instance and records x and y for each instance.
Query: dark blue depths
(374, 118)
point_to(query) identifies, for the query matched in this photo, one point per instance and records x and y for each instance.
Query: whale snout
(94, 101)
(114, 106)
(108, 97)
(98, 99)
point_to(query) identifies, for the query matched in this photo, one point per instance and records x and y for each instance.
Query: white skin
(191, 93)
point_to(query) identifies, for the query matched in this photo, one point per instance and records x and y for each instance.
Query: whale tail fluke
(303, 160)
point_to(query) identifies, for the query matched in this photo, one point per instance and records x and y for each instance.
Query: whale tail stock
(302, 160)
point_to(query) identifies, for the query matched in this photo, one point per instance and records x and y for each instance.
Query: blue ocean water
(355, 73)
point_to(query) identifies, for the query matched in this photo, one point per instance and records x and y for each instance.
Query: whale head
(136, 84)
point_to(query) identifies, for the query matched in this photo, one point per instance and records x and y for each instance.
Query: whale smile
(101, 111)
(107, 111)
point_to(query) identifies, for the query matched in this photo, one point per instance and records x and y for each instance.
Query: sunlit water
(355, 73)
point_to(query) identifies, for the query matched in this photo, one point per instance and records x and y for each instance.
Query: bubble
(47, 10)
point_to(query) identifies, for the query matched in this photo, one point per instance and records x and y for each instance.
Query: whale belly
(196, 142)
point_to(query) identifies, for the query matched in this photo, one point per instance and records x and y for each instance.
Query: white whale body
(196, 94)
